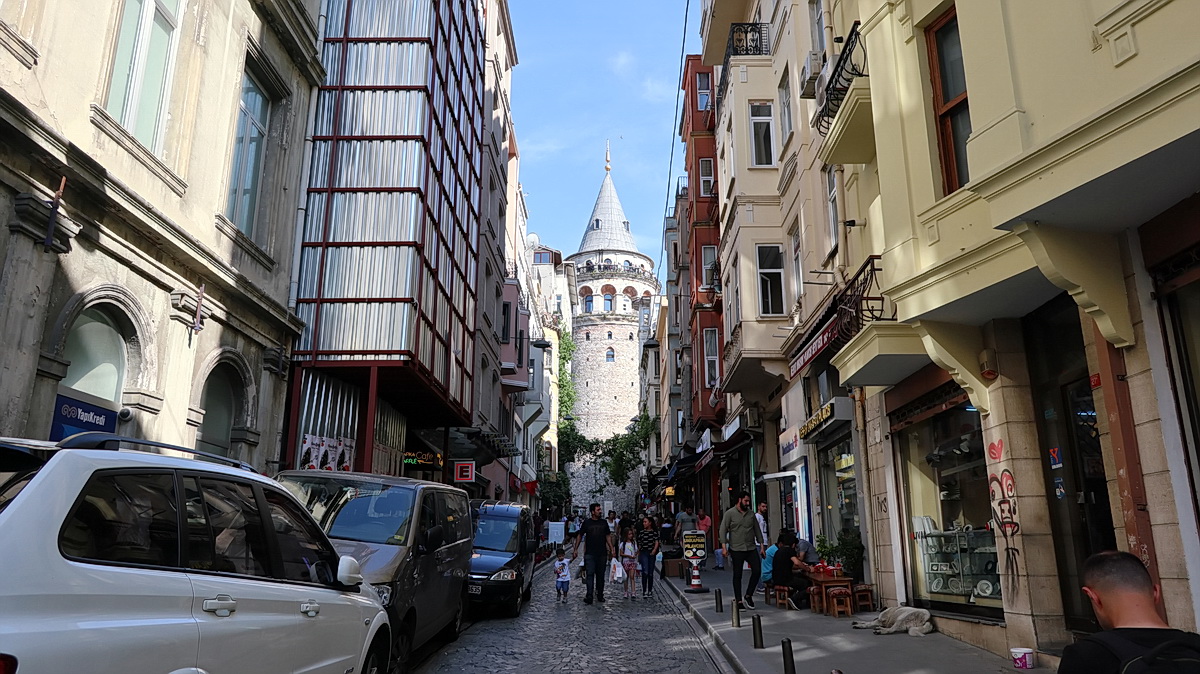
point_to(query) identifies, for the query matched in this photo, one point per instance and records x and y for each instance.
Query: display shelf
(960, 563)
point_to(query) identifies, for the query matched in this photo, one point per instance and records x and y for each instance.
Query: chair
(782, 594)
(839, 600)
(816, 599)
(768, 591)
(864, 597)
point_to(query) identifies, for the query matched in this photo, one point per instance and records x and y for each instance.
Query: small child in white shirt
(562, 576)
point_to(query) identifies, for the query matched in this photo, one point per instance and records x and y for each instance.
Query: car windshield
(367, 512)
(493, 533)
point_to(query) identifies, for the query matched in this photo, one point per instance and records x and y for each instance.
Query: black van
(502, 564)
(412, 539)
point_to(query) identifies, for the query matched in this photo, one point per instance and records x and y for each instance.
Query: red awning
(531, 486)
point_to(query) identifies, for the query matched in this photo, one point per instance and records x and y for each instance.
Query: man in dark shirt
(597, 548)
(787, 568)
(1126, 603)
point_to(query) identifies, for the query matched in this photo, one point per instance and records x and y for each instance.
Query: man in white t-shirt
(761, 516)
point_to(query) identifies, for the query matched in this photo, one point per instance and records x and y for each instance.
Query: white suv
(127, 561)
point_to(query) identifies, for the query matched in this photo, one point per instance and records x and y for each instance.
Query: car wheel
(402, 652)
(514, 607)
(528, 593)
(374, 664)
(451, 631)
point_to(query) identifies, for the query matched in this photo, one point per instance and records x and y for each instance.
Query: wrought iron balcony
(835, 81)
(862, 301)
(615, 270)
(745, 39)
(681, 186)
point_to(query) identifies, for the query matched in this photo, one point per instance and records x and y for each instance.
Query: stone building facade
(148, 159)
(615, 284)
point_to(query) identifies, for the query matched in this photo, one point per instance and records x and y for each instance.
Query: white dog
(898, 619)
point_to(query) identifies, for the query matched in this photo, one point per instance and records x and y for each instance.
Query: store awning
(736, 442)
(682, 468)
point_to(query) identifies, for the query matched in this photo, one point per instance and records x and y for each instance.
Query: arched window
(588, 264)
(627, 225)
(608, 260)
(610, 356)
(95, 349)
(596, 223)
(628, 264)
(608, 306)
(222, 392)
(587, 304)
(631, 336)
(610, 335)
(587, 336)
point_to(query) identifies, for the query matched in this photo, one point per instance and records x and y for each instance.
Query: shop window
(96, 351)
(952, 551)
(220, 402)
(949, 99)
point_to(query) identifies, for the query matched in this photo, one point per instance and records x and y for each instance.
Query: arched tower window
(610, 335)
(95, 349)
(220, 401)
(608, 260)
(608, 302)
(587, 336)
(587, 304)
(596, 223)
(627, 225)
(610, 356)
(628, 265)
(631, 336)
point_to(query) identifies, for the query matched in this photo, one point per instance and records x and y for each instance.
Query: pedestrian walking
(1126, 602)
(704, 523)
(562, 575)
(667, 528)
(742, 544)
(626, 521)
(595, 535)
(685, 521)
(629, 556)
(761, 518)
(647, 540)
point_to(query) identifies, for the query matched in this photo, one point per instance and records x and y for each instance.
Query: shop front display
(839, 487)
(953, 560)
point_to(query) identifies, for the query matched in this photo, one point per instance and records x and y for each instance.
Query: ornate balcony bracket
(1087, 265)
(955, 348)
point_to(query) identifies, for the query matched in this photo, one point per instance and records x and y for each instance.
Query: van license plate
(474, 589)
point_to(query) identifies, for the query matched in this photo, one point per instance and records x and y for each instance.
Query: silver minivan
(412, 539)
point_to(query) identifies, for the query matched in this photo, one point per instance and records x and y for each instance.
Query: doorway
(1069, 439)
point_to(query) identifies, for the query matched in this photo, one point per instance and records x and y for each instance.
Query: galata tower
(616, 285)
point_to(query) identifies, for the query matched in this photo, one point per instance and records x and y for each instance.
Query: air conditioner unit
(809, 74)
(822, 83)
(751, 418)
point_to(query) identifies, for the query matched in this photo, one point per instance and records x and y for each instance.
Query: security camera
(125, 414)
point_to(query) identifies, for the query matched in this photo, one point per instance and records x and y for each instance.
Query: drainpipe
(839, 186)
(860, 428)
(827, 19)
(305, 168)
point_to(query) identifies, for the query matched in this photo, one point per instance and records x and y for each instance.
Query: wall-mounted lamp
(540, 343)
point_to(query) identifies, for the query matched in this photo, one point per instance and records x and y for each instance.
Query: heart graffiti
(996, 450)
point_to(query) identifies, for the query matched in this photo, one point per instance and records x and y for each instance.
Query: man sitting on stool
(788, 567)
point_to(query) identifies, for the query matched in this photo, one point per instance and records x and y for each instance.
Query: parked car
(503, 558)
(117, 560)
(413, 539)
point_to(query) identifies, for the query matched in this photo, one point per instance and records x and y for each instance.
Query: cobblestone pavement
(644, 636)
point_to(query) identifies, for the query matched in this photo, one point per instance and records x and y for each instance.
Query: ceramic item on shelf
(935, 585)
(955, 585)
(932, 547)
(954, 567)
(983, 588)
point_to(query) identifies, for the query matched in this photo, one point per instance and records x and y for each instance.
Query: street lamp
(540, 343)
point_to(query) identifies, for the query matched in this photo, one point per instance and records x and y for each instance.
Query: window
(797, 261)
(678, 367)
(505, 321)
(610, 335)
(249, 146)
(305, 558)
(608, 302)
(831, 205)
(220, 404)
(949, 99)
(708, 262)
(542, 257)
(762, 152)
(608, 260)
(596, 223)
(587, 336)
(127, 519)
(703, 90)
(95, 349)
(679, 427)
(706, 177)
(712, 355)
(770, 280)
(816, 19)
(558, 303)
(587, 304)
(631, 336)
(239, 543)
(137, 94)
(627, 264)
(626, 223)
(785, 107)
(610, 356)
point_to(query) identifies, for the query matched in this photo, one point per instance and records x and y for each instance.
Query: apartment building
(150, 153)
(995, 281)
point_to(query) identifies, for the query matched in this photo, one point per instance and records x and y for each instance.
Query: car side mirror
(432, 540)
(531, 545)
(349, 573)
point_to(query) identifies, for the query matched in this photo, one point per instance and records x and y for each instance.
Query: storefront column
(1026, 559)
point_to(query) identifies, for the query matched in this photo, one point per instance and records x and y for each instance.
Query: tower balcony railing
(616, 271)
(745, 39)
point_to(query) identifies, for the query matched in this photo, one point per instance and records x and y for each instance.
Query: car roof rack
(112, 441)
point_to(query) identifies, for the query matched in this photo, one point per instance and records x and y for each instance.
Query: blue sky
(588, 71)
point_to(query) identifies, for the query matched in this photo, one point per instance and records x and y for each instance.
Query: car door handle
(310, 609)
(223, 605)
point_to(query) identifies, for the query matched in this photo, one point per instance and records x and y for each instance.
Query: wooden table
(827, 581)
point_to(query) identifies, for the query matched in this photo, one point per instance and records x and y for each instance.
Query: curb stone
(726, 651)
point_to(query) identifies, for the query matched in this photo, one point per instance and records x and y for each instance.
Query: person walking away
(761, 517)
(1135, 638)
(704, 523)
(685, 521)
(647, 540)
(562, 575)
(742, 544)
(597, 548)
(629, 561)
(668, 528)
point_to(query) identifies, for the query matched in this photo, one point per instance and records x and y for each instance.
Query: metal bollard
(789, 659)
(756, 624)
(720, 606)
(737, 613)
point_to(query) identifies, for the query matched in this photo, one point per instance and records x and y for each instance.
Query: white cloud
(540, 147)
(622, 63)
(658, 90)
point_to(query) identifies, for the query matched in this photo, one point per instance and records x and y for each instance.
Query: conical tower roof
(608, 228)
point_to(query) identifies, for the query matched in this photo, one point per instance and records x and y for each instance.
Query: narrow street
(644, 636)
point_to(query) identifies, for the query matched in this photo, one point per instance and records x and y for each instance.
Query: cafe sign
(837, 409)
(811, 350)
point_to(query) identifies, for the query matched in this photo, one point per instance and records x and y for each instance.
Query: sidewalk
(821, 644)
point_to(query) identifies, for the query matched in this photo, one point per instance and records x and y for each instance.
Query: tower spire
(607, 160)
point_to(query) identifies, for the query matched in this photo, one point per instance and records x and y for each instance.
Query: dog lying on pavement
(915, 621)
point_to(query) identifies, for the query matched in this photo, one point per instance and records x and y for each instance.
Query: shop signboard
(840, 408)
(464, 471)
(426, 460)
(557, 532)
(78, 412)
(704, 449)
(789, 446)
(823, 338)
(693, 546)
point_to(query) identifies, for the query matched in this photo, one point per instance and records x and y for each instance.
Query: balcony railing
(862, 302)
(745, 39)
(681, 186)
(832, 87)
(615, 270)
